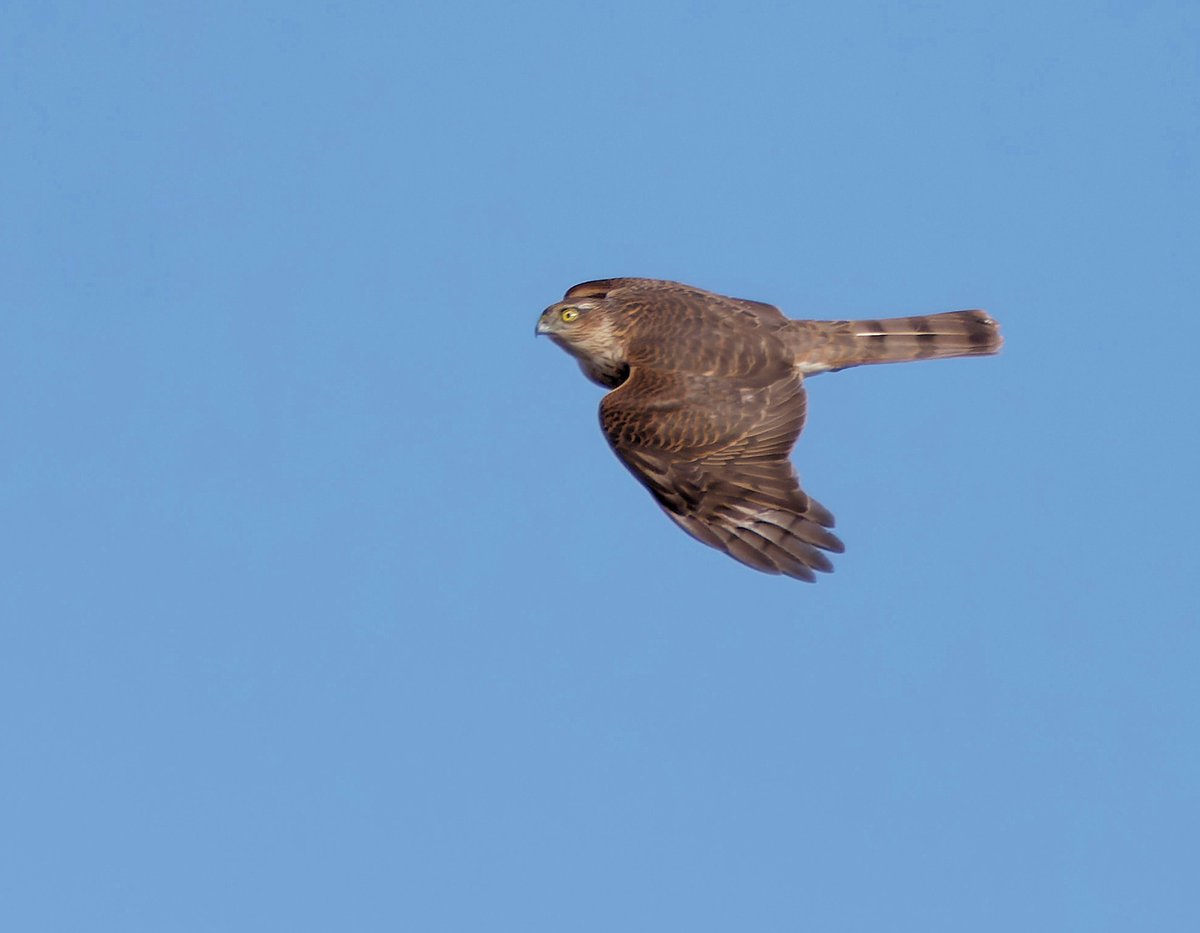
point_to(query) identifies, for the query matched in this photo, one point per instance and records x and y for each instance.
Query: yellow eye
(569, 314)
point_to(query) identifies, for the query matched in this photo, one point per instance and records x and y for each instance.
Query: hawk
(708, 399)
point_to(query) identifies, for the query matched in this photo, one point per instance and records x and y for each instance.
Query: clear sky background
(324, 604)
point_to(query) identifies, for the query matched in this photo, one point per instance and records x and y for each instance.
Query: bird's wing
(713, 452)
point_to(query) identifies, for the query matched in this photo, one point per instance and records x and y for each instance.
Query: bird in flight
(707, 399)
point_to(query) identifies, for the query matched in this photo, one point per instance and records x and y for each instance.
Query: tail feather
(826, 346)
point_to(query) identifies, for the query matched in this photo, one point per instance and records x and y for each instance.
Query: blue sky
(325, 605)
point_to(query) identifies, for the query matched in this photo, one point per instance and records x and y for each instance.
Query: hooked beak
(541, 327)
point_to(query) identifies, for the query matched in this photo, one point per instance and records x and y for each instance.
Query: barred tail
(824, 346)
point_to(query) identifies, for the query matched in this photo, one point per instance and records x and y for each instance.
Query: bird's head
(568, 319)
(585, 329)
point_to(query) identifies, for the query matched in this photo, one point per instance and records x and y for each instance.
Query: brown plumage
(708, 399)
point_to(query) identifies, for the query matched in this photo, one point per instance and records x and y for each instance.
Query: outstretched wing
(713, 451)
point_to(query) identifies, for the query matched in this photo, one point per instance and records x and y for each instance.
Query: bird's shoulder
(662, 302)
(672, 326)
